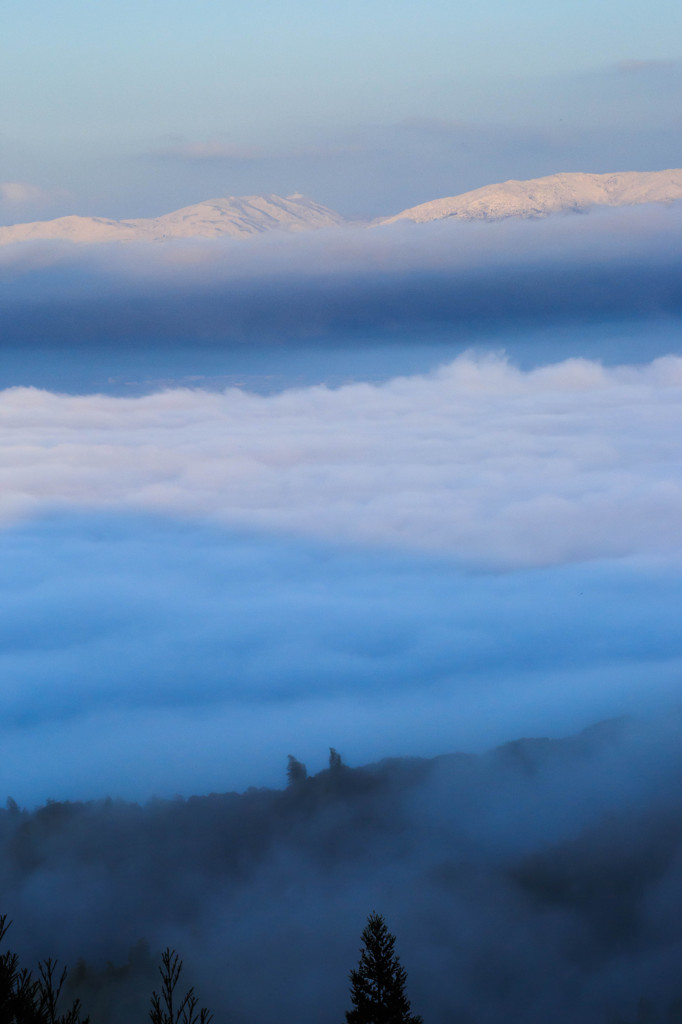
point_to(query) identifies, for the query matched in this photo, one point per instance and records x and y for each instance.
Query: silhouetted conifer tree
(169, 1008)
(25, 1000)
(335, 761)
(296, 771)
(378, 985)
(49, 987)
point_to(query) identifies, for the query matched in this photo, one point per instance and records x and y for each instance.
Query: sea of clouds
(490, 465)
(198, 583)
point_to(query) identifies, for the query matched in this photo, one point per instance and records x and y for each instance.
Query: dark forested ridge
(543, 879)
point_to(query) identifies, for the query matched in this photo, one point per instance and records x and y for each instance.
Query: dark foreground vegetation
(377, 995)
(540, 881)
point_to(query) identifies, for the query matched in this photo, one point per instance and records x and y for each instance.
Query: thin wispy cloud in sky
(19, 192)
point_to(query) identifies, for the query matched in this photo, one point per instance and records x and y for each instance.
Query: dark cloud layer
(604, 265)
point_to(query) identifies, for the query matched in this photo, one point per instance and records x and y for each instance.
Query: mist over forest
(540, 879)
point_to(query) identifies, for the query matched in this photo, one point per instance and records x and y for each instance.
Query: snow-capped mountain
(556, 193)
(243, 216)
(233, 216)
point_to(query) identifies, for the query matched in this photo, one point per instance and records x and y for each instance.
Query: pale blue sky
(277, 91)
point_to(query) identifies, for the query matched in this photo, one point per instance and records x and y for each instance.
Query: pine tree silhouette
(378, 985)
(169, 1008)
(28, 1000)
(335, 762)
(296, 771)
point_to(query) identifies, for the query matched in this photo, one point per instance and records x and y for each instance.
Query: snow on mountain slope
(556, 193)
(242, 216)
(233, 216)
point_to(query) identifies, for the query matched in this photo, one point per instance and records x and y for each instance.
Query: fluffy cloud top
(492, 465)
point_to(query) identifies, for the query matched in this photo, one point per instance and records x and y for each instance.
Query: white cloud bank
(480, 460)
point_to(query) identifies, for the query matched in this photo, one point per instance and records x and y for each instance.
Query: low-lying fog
(195, 583)
(542, 880)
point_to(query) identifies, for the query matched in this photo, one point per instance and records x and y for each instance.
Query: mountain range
(232, 217)
(244, 216)
(557, 193)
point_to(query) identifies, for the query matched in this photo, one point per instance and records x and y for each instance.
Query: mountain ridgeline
(245, 216)
(229, 217)
(540, 880)
(556, 193)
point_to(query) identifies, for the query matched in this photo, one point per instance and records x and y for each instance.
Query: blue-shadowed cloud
(466, 277)
(140, 655)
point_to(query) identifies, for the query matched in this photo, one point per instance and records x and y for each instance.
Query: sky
(132, 109)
